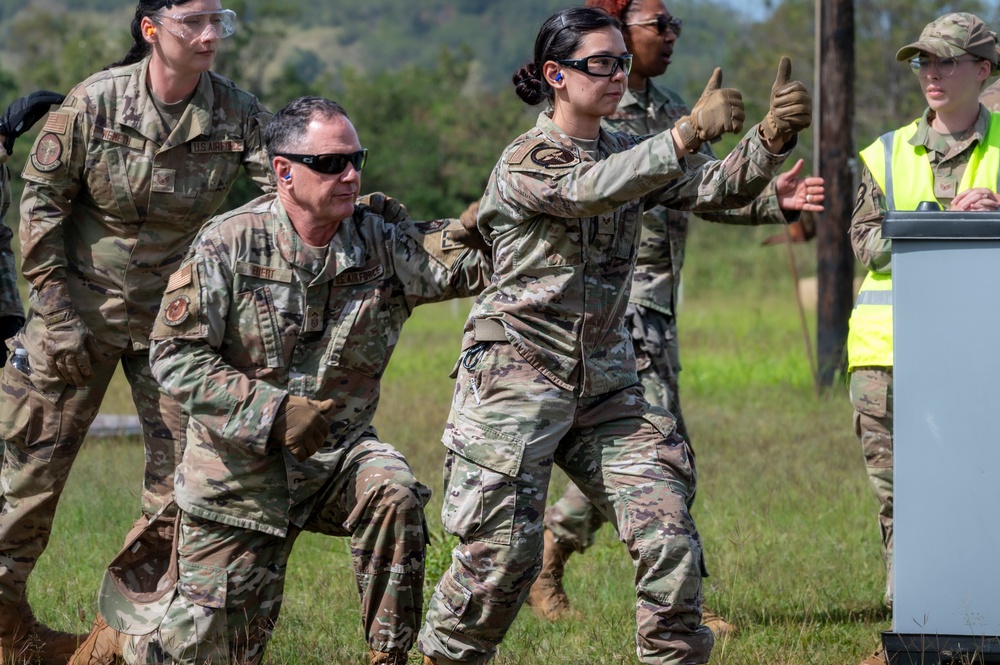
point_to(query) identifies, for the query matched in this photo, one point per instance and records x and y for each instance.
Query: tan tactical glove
(469, 235)
(717, 111)
(67, 339)
(389, 208)
(301, 425)
(791, 106)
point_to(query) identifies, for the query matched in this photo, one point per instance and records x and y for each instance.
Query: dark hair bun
(529, 85)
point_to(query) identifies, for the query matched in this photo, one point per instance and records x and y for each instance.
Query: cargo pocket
(448, 605)
(195, 628)
(29, 418)
(871, 393)
(481, 481)
(202, 585)
(673, 454)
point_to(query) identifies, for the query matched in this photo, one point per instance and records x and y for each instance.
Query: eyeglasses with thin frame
(192, 25)
(330, 163)
(662, 23)
(921, 65)
(601, 65)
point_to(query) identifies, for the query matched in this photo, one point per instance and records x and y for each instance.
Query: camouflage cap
(141, 581)
(953, 35)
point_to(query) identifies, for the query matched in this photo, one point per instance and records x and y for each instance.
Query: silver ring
(809, 198)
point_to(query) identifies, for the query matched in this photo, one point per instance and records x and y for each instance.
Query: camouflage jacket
(664, 231)
(948, 156)
(252, 316)
(10, 297)
(111, 203)
(565, 230)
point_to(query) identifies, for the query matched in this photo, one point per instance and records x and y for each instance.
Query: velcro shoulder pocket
(180, 311)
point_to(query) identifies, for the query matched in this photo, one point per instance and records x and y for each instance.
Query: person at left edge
(273, 335)
(17, 119)
(117, 183)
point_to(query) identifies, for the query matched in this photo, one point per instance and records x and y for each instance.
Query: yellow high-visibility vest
(869, 339)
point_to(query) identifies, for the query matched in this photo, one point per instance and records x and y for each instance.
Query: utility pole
(835, 259)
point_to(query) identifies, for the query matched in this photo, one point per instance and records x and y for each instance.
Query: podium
(946, 346)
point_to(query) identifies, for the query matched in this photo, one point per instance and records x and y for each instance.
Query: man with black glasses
(274, 335)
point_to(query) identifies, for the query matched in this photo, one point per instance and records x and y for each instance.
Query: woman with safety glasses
(547, 372)
(118, 182)
(647, 107)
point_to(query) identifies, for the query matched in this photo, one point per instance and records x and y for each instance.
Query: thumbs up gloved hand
(301, 425)
(23, 113)
(717, 111)
(791, 106)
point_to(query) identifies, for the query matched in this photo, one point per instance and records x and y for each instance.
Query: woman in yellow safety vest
(950, 155)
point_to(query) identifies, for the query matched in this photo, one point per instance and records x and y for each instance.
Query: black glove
(25, 112)
(9, 325)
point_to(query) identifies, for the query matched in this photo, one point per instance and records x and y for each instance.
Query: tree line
(428, 84)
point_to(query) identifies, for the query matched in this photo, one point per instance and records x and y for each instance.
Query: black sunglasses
(600, 65)
(332, 163)
(662, 23)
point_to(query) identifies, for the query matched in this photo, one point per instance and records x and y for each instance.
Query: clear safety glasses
(195, 25)
(945, 67)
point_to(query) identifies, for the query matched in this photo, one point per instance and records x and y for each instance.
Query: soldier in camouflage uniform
(948, 155)
(548, 374)
(647, 108)
(118, 182)
(273, 335)
(16, 119)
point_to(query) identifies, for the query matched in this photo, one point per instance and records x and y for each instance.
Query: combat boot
(547, 598)
(24, 639)
(715, 623)
(383, 658)
(439, 661)
(102, 647)
(877, 657)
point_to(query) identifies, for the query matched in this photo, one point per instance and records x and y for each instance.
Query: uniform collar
(347, 247)
(555, 134)
(977, 133)
(139, 112)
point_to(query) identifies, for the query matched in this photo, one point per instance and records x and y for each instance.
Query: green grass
(783, 504)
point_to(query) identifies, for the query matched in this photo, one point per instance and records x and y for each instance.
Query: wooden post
(835, 259)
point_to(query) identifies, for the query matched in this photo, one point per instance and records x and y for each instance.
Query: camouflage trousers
(871, 395)
(508, 426)
(43, 422)
(573, 519)
(231, 580)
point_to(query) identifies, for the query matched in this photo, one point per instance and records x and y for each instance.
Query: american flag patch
(57, 122)
(180, 278)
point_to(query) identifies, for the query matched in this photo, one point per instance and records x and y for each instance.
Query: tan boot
(438, 661)
(383, 658)
(719, 626)
(23, 638)
(877, 657)
(102, 647)
(548, 599)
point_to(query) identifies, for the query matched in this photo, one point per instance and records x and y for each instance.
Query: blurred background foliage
(428, 84)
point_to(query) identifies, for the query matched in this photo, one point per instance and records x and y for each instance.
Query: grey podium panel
(946, 309)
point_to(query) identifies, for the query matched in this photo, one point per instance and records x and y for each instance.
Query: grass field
(783, 504)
